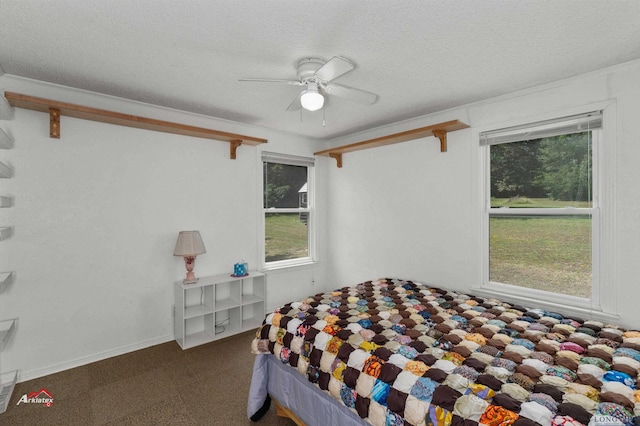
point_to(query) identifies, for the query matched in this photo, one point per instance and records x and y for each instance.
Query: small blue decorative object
(240, 269)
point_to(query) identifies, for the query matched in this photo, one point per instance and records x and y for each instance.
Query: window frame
(595, 302)
(291, 160)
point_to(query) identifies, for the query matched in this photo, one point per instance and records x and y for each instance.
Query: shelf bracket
(438, 130)
(442, 135)
(54, 123)
(338, 157)
(233, 147)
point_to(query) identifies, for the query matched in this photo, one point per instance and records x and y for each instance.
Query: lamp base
(189, 263)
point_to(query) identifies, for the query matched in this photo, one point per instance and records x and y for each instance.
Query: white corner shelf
(7, 327)
(6, 330)
(6, 110)
(6, 232)
(218, 306)
(5, 171)
(6, 278)
(7, 384)
(6, 202)
(6, 142)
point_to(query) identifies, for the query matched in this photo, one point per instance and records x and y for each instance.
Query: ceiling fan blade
(295, 105)
(273, 80)
(336, 67)
(355, 95)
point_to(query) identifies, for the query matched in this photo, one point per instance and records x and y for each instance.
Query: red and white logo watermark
(41, 397)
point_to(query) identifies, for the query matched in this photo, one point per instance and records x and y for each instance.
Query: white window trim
(291, 160)
(604, 256)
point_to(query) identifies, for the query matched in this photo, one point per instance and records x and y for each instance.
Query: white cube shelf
(218, 306)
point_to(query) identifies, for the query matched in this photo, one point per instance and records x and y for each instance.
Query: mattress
(398, 352)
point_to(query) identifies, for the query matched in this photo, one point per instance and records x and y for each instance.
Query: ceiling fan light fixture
(315, 75)
(311, 99)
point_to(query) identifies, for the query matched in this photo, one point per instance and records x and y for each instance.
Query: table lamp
(189, 245)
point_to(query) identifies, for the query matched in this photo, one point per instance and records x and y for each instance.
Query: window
(541, 215)
(288, 209)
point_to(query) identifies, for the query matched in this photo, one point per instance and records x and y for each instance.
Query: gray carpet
(160, 385)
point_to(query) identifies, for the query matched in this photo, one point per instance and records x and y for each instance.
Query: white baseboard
(25, 375)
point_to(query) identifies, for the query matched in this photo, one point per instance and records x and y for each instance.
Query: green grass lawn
(547, 253)
(286, 237)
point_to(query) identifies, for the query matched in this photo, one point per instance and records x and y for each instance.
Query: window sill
(566, 305)
(289, 265)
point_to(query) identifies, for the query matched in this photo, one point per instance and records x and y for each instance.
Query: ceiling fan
(316, 75)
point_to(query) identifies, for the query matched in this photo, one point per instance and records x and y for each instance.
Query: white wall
(390, 211)
(96, 214)
(409, 211)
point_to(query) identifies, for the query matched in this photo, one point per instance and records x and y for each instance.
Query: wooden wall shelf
(439, 130)
(56, 109)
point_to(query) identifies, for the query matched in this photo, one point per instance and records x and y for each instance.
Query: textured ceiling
(419, 56)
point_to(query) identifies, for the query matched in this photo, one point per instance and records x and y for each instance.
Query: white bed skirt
(292, 390)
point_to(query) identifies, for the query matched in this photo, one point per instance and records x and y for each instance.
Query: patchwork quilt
(399, 352)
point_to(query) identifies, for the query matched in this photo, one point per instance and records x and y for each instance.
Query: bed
(397, 352)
